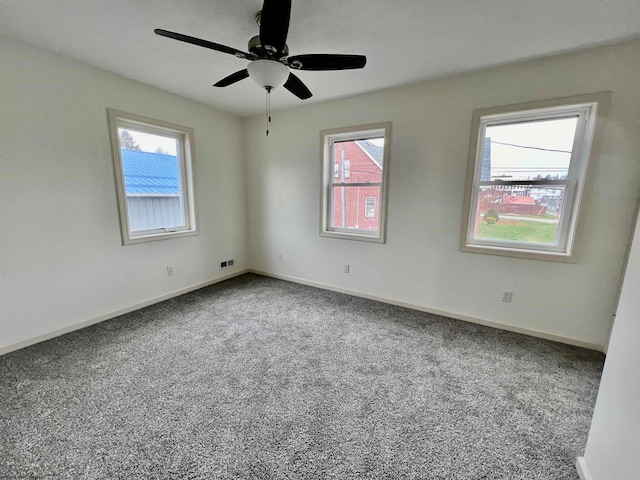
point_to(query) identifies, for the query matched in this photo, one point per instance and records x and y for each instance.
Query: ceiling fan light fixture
(268, 74)
(269, 54)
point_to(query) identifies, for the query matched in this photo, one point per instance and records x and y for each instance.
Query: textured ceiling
(405, 41)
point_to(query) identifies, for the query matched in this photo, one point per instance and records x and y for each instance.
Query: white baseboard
(581, 467)
(77, 326)
(500, 326)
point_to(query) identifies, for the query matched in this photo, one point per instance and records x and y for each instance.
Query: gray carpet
(261, 378)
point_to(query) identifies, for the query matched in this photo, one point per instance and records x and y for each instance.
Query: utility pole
(342, 188)
(358, 206)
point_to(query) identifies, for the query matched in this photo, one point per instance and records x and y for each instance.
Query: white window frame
(367, 207)
(185, 153)
(328, 138)
(587, 108)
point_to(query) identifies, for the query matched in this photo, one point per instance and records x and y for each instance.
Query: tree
(491, 216)
(127, 142)
(490, 197)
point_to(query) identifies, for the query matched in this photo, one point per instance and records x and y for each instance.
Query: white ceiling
(405, 41)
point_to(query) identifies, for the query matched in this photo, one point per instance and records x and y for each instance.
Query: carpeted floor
(266, 379)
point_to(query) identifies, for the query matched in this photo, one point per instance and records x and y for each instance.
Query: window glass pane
(152, 178)
(153, 165)
(538, 149)
(358, 161)
(526, 177)
(350, 208)
(519, 213)
(354, 162)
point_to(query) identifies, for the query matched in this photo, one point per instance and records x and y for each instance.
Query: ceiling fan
(268, 53)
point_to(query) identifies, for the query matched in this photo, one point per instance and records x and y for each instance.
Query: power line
(530, 169)
(532, 148)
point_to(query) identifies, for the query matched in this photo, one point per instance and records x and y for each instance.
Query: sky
(511, 152)
(529, 150)
(149, 142)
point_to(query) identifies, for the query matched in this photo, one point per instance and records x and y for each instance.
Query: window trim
(186, 158)
(593, 107)
(327, 176)
(373, 206)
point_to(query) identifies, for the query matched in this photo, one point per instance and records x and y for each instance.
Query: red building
(357, 205)
(510, 204)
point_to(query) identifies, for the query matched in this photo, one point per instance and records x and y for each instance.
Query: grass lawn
(548, 216)
(518, 231)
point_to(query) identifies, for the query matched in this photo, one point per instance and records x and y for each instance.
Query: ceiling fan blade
(295, 86)
(323, 61)
(274, 24)
(204, 43)
(233, 78)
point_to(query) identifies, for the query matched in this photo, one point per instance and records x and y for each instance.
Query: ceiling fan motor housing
(269, 53)
(263, 51)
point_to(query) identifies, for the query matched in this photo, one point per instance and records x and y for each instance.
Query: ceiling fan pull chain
(269, 61)
(268, 99)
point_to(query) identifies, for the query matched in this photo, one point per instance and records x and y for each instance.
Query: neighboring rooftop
(518, 200)
(374, 151)
(147, 173)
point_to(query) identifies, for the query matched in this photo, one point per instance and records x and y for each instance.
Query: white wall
(613, 447)
(61, 259)
(62, 264)
(421, 263)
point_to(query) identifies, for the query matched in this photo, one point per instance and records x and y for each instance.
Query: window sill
(362, 237)
(158, 236)
(520, 253)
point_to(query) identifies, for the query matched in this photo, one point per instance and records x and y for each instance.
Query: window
(527, 169)
(370, 207)
(355, 170)
(153, 165)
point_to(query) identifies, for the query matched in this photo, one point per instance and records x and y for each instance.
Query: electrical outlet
(346, 268)
(170, 271)
(227, 263)
(507, 296)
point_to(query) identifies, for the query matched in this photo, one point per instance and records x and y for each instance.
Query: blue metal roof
(147, 173)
